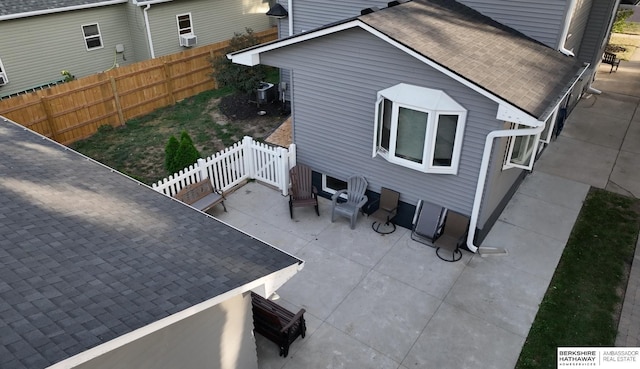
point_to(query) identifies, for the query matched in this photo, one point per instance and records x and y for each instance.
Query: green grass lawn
(583, 301)
(626, 42)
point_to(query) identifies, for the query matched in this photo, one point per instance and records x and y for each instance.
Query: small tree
(170, 151)
(240, 78)
(180, 156)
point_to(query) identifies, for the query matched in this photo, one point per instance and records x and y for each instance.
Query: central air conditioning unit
(188, 40)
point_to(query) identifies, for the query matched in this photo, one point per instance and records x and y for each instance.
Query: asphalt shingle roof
(8, 7)
(87, 254)
(495, 57)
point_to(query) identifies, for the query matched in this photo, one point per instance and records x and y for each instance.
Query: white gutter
(571, 7)
(147, 5)
(59, 10)
(484, 168)
(290, 10)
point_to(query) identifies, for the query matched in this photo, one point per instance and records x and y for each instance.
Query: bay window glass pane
(445, 138)
(384, 122)
(412, 128)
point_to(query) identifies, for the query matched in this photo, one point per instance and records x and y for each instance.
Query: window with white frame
(92, 36)
(332, 185)
(3, 75)
(549, 125)
(419, 128)
(185, 25)
(521, 149)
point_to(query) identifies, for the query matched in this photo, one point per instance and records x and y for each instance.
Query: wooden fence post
(169, 82)
(47, 109)
(114, 90)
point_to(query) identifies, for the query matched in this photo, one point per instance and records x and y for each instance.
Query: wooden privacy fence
(75, 110)
(246, 159)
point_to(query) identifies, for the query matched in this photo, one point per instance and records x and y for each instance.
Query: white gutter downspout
(290, 10)
(484, 168)
(571, 7)
(147, 5)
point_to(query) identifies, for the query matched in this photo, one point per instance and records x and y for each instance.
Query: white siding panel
(335, 82)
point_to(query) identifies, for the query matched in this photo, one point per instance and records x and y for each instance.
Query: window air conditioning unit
(188, 40)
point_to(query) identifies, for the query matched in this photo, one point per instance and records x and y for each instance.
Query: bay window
(419, 128)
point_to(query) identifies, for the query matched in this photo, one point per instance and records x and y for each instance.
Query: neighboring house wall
(539, 19)
(217, 338)
(336, 79)
(35, 49)
(212, 21)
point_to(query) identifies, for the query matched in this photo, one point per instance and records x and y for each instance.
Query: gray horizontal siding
(541, 20)
(213, 21)
(578, 25)
(35, 49)
(310, 14)
(336, 78)
(597, 31)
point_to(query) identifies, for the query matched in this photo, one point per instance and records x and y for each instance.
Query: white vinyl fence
(246, 159)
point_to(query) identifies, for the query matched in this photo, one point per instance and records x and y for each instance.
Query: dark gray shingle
(495, 57)
(87, 254)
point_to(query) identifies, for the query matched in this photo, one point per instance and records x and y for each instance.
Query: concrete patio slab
(579, 161)
(555, 190)
(596, 128)
(324, 283)
(329, 347)
(625, 177)
(529, 251)
(418, 266)
(363, 246)
(539, 216)
(499, 294)
(386, 314)
(631, 139)
(455, 339)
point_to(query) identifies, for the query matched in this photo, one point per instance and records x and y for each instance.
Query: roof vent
(369, 10)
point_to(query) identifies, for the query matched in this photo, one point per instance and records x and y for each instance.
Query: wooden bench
(612, 59)
(201, 195)
(276, 323)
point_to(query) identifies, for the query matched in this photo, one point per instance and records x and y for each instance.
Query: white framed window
(3, 75)
(332, 185)
(185, 24)
(521, 149)
(92, 36)
(419, 128)
(549, 125)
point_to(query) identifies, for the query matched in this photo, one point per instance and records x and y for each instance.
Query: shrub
(180, 154)
(240, 78)
(621, 18)
(170, 151)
